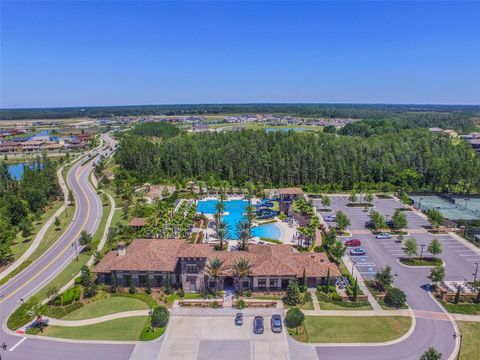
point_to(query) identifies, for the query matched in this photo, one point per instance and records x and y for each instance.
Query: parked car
(330, 218)
(369, 224)
(390, 224)
(358, 252)
(258, 325)
(276, 323)
(239, 319)
(353, 243)
(383, 236)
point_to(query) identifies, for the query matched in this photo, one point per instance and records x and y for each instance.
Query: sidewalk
(100, 319)
(402, 312)
(41, 233)
(361, 284)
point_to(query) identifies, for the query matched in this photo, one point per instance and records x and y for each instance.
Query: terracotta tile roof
(290, 191)
(142, 255)
(267, 260)
(137, 222)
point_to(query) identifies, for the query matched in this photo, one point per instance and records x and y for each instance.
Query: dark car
(390, 224)
(370, 224)
(258, 325)
(276, 323)
(239, 319)
(353, 243)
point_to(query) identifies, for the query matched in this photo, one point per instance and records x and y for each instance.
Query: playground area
(452, 207)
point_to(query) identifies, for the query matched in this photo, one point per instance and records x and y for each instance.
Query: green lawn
(471, 336)
(172, 297)
(119, 329)
(343, 329)
(324, 305)
(109, 305)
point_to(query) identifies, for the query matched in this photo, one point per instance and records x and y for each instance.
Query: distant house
(287, 196)
(185, 265)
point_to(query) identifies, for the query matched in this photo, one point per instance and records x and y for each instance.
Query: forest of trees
(21, 202)
(354, 111)
(409, 120)
(156, 129)
(412, 159)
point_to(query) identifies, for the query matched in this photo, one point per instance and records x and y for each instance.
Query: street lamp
(353, 264)
(74, 245)
(475, 273)
(455, 335)
(466, 202)
(420, 203)
(421, 251)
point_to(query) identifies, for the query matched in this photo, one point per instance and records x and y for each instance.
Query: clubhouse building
(185, 265)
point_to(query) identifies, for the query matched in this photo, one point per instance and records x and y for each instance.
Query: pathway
(316, 304)
(100, 319)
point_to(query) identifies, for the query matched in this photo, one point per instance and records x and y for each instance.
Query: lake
(16, 170)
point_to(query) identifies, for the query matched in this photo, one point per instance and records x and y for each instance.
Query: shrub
(293, 296)
(181, 293)
(336, 297)
(395, 298)
(325, 288)
(247, 293)
(215, 305)
(160, 316)
(240, 304)
(294, 318)
(318, 249)
(72, 294)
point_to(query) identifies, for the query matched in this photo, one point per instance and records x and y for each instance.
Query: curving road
(88, 212)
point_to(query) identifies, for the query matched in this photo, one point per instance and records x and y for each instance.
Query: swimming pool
(235, 210)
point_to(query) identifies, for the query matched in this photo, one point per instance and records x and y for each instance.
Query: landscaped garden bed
(425, 261)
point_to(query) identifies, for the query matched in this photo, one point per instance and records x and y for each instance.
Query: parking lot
(459, 259)
(218, 338)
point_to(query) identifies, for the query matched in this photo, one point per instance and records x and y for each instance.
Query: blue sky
(120, 53)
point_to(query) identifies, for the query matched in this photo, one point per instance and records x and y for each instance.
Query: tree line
(23, 201)
(412, 160)
(354, 111)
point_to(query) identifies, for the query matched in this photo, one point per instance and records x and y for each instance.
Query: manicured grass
(146, 298)
(471, 336)
(172, 297)
(127, 329)
(343, 329)
(324, 305)
(267, 297)
(462, 308)
(106, 306)
(421, 261)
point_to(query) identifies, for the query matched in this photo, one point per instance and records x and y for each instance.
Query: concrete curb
(420, 266)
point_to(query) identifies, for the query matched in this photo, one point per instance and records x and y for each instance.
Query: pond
(285, 129)
(16, 170)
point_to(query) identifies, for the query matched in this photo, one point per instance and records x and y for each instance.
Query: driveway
(217, 338)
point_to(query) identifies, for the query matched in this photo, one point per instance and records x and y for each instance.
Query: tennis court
(451, 207)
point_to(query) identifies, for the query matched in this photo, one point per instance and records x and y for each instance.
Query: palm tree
(243, 233)
(215, 268)
(241, 269)
(222, 232)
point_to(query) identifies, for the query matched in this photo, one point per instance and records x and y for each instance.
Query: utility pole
(475, 273)
(74, 245)
(421, 251)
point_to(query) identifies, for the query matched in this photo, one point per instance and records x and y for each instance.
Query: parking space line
(468, 254)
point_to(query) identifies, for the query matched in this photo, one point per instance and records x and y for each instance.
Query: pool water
(235, 210)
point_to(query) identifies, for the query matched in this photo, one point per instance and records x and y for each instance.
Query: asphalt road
(88, 213)
(413, 281)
